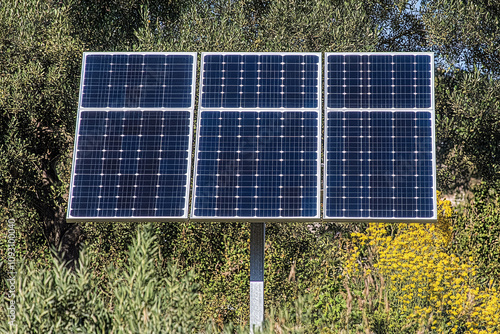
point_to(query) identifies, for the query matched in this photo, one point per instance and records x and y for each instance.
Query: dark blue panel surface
(137, 81)
(260, 81)
(378, 81)
(257, 164)
(379, 164)
(131, 164)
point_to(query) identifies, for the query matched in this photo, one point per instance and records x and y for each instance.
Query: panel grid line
(160, 148)
(102, 172)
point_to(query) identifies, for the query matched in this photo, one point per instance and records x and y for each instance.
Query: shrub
(476, 231)
(139, 298)
(433, 289)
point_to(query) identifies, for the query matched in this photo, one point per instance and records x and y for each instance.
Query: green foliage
(408, 281)
(468, 128)
(111, 25)
(38, 90)
(464, 37)
(476, 231)
(257, 25)
(39, 70)
(220, 255)
(30, 245)
(464, 33)
(57, 300)
(108, 245)
(141, 297)
(305, 290)
(147, 299)
(292, 262)
(329, 303)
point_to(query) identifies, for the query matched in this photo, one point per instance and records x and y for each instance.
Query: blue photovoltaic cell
(132, 162)
(379, 145)
(137, 81)
(260, 161)
(379, 81)
(260, 81)
(257, 164)
(379, 164)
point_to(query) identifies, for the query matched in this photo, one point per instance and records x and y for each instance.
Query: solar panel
(260, 81)
(384, 81)
(379, 137)
(137, 80)
(258, 138)
(133, 138)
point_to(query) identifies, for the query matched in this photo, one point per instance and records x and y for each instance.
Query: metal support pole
(257, 241)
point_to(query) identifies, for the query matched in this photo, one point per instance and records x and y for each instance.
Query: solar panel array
(258, 137)
(133, 139)
(379, 146)
(258, 148)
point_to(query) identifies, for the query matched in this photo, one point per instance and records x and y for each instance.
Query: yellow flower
(422, 277)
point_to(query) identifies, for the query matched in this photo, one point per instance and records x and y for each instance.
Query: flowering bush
(434, 290)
